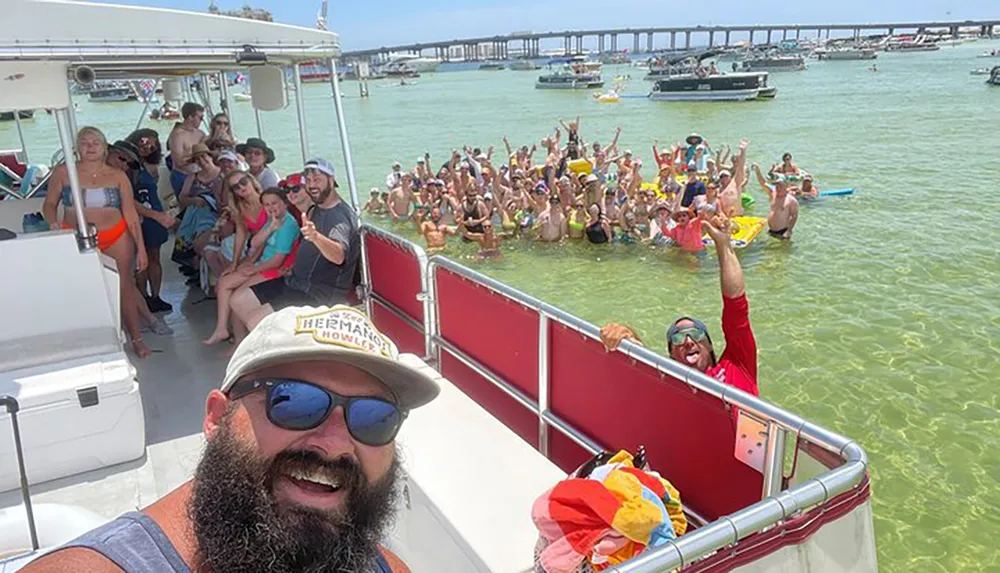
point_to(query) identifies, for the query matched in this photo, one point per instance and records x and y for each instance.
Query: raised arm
(614, 140)
(730, 271)
(739, 165)
(763, 182)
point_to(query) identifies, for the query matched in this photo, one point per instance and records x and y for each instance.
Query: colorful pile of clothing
(607, 512)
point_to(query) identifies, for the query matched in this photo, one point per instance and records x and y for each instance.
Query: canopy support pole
(345, 144)
(85, 240)
(300, 109)
(256, 117)
(20, 136)
(73, 127)
(224, 98)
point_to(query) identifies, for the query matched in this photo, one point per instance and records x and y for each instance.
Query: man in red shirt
(688, 341)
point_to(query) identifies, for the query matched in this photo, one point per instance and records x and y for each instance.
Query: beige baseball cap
(330, 334)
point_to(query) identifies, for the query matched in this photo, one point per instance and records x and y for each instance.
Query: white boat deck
(447, 523)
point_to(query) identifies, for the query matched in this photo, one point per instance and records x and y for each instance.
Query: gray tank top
(136, 543)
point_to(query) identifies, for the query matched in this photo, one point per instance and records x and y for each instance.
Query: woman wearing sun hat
(259, 156)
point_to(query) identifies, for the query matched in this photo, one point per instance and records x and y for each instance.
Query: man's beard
(241, 527)
(321, 197)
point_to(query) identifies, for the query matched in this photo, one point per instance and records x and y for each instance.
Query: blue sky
(367, 24)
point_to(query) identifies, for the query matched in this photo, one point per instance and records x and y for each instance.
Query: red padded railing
(395, 278)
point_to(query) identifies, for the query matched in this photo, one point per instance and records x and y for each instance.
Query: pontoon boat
(763, 489)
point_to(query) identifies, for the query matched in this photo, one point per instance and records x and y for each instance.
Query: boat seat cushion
(480, 476)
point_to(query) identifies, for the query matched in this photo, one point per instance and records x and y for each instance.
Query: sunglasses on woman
(299, 406)
(221, 122)
(241, 182)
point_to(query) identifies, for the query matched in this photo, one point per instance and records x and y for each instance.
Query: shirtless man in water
(489, 242)
(434, 232)
(732, 183)
(400, 199)
(183, 137)
(784, 207)
(553, 224)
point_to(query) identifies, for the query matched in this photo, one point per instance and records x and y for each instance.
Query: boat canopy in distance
(123, 41)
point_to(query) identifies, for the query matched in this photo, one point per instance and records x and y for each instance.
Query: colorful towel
(607, 518)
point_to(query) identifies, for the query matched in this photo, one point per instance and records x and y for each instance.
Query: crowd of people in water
(253, 241)
(257, 242)
(565, 188)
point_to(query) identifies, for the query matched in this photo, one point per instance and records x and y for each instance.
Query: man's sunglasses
(697, 334)
(300, 406)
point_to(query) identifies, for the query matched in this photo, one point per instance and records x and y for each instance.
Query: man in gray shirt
(324, 267)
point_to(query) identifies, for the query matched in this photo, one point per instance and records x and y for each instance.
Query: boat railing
(545, 374)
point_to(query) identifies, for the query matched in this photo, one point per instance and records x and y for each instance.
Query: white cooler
(76, 416)
(61, 358)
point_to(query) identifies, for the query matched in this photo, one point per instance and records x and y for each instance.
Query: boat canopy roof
(128, 41)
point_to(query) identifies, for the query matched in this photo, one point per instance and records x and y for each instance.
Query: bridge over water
(529, 43)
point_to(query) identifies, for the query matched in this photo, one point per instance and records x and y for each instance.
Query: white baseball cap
(330, 334)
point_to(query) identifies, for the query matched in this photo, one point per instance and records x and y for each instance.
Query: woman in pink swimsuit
(240, 219)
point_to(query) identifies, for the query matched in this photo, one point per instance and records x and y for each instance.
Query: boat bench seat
(471, 485)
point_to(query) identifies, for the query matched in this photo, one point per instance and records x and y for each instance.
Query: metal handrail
(726, 530)
(430, 313)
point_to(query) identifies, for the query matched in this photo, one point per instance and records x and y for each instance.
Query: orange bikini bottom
(109, 236)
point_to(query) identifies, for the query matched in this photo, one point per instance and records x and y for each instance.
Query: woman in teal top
(272, 250)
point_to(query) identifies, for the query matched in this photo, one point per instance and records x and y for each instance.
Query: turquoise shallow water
(880, 320)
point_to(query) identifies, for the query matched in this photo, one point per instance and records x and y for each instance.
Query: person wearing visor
(300, 471)
(688, 339)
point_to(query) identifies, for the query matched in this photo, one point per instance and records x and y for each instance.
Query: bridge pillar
(752, 32)
(635, 42)
(649, 42)
(579, 44)
(798, 33)
(784, 34)
(687, 40)
(567, 45)
(727, 37)
(673, 40)
(769, 36)
(711, 38)
(600, 43)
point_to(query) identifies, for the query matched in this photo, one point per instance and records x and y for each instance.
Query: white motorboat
(415, 62)
(845, 53)
(111, 436)
(523, 65)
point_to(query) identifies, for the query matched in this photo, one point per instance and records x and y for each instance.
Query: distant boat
(569, 79)
(846, 54)
(21, 113)
(492, 66)
(523, 65)
(113, 94)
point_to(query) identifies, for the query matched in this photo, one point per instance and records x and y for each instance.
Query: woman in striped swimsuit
(108, 204)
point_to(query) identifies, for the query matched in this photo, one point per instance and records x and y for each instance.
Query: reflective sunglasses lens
(373, 421)
(696, 334)
(297, 406)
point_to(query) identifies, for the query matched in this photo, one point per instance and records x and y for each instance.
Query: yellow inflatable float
(580, 166)
(745, 230)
